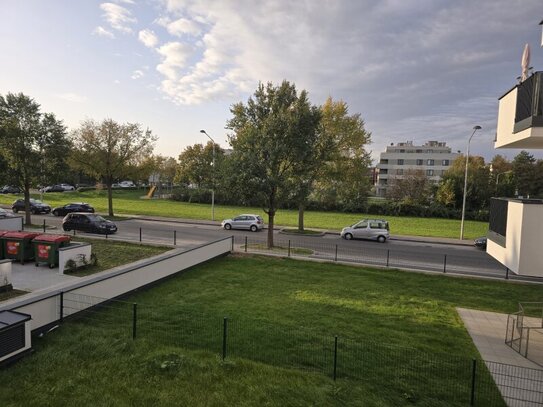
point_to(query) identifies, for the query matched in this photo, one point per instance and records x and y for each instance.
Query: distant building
(432, 158)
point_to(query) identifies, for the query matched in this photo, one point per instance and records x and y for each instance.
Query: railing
(524, 333)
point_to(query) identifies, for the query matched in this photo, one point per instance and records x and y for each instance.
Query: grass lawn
(283, 315)
(129, 203)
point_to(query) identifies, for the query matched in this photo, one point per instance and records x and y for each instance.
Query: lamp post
(213, 180)
(466, 184)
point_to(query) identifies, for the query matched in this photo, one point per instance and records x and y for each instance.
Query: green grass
(281, 312)
(111, 253)
(129, 203)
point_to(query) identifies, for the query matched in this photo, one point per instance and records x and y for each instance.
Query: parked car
(246, 221)
(374, 229)
(88, 222)
(67, 187)
(480, 242)
(52, 188)
(36, 206)
(127, 184)
(73, 207)
(5, 214)
(8, 189)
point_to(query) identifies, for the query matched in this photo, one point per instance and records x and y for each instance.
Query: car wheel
(15, 210)
(34, 211)
(348, 236)
(253, 228)
(56, 213)
(227, 226)
(381, 239)
(65, 228)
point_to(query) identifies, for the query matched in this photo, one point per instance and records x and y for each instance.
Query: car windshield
(97, 218)
(35, 201)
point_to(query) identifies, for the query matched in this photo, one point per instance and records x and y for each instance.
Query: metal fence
(395, 374)
(524, 334)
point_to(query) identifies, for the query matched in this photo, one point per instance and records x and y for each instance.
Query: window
(419, 151)
(402, 151)
(430, 162)
(400, 161)
(445, 162)
(399, 172)
(419, 162)
(429, 173)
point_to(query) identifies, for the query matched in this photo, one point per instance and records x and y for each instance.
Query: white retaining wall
(12, 223)
(75, 251)
(45, 308)
(5, 272)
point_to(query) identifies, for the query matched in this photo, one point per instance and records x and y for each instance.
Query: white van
(374, 229)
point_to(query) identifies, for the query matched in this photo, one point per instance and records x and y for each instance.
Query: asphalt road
(395, 253)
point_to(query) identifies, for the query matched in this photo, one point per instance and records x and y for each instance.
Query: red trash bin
(2, 233)
(18, 246)
(46, 248)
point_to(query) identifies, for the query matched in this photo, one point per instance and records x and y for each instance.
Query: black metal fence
(397, 375)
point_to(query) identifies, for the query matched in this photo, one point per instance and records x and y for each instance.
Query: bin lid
(8, 318)
(3, 232)
(52, 238)
(20, 235)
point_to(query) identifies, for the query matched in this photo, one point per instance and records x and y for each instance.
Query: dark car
(36, 206)
(53, 188)
(73, 207)
(8, 189)
(88, 222)
(480, 242)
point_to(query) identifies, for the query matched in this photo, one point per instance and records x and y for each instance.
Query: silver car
(374, 229)
(246, 221)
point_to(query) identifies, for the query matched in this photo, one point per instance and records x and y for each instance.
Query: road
(395, 253)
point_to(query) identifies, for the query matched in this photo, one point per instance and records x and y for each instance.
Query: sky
(415, 70)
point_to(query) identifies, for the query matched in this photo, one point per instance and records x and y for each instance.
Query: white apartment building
(433, 158)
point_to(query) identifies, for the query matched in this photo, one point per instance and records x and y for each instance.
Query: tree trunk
(271, 217)
(301, 216)
(28, 219)
(110, 197)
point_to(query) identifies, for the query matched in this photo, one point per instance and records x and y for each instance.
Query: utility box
(15, 339)
(18, 245)
(2, 233)
(46, 248)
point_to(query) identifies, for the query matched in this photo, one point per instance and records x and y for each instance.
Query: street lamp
(466, 184)
(213, 180)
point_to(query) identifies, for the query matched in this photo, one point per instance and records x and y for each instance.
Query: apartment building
(433, 158)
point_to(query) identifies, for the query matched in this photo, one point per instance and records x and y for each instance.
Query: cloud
(118, 17)
(174, 57)
(71, 97)
(181, 26)
(137, 74)
(148, 38)
(102, 32)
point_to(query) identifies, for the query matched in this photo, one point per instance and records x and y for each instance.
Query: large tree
(343, 178)
(33, 145)
(524, 172)
(269, 138)
(414, 188)
(109, 150)
(195, 165)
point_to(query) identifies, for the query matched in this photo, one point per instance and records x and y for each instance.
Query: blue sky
(416, 70)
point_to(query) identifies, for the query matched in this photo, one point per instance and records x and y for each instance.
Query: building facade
(433, 159)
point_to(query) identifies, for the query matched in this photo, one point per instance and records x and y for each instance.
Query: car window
(375, 225)
(259, 218)
(361, 225)
(237, 218)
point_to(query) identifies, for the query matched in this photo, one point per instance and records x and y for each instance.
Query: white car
(127, 184)
(5, 214)
(67, 187)
(245, 221)
(374, 229)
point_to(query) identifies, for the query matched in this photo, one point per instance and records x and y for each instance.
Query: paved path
(487, 329)
(32, 278)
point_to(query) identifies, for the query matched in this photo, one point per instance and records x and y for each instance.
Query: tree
(32, 144)
(343, 178)
(267, 142)
(195, 165)
(501, 176)
(524, 172)
(413, 187)
(445, 192)
(108, 149)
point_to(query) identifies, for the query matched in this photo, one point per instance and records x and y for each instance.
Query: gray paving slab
(28, 277)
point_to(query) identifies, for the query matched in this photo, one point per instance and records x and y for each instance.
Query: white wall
(11, 223)
(5, 272)
(74, 252)
(45, 307)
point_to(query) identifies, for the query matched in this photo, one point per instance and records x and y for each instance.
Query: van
(373, 229)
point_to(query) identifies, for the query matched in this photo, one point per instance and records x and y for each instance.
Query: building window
(419, 162)
(400, 161)
(399, 172)
(402, 151)
(419, 151)
(430, 162)
(445, 163)
(430, 173)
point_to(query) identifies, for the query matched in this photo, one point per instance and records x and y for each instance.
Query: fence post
(74, 232)
(245, 244)
(44, 226)
(335, 357)
(106, 234)
(473, 370)
(175, 237)
(134, 319)
(224, 329)
(232, 244)
(140, 235)
(507, 273)
(445, 263)
(288, 247)
(61, 306)
(388, 256)
(335, 258)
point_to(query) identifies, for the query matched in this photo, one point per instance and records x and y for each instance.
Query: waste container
(46, 248)
(2, 233)
(18, 246)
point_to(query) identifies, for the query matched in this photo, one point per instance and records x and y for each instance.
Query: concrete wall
(74, 252)
(11, 223)
(45, 308)
(5, 273)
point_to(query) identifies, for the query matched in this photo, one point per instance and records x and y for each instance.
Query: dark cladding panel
(498, 216)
